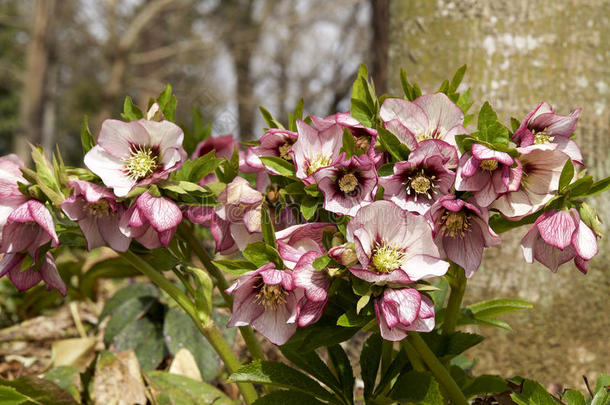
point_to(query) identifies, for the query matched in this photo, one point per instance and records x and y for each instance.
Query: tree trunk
(520, 53)
(33, 96)
(380, 43)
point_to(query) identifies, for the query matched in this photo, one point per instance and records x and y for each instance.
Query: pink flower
(267, 300)
(344, 254)
(543, 126)
(223, 147)
(275, 142)
(315, 149)
(488, 173)
(220, 229)
(462, 231)
(364, 138)
(294, 241)
(393, 246)
(315, 284)
(347, 185)
(541, 168)
(28, 227)
(431, 116)
(10, 196)
(558, 237)
(25, 279)
(135, 153)
(401, 310)
(423, 178)
(152, 221)
(97, 212)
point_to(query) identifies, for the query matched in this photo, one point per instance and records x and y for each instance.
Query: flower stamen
(99, 208)
(318, 162)
(387, 257)
(284, 151)
(348, 183)
(270, 296)
(421, 184)
(141, 163)
(489, 165)
(542, 137)
(455, 224)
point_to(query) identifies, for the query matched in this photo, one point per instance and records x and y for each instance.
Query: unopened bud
(590, 218)
(344, 254)
(273, 193)
(337, 240)
(154, 113)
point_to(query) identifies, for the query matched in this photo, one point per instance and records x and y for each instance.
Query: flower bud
(590, 218)
(344, 254)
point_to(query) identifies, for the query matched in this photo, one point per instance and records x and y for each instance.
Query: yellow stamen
(318, 162)
(348, 183)
(271, 296)
(455, 224)
(98, 209)
(141, 164)
(387, 257)
(284, 151)
(489, 164)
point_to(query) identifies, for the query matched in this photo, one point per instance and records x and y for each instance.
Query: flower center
(284, 151)
(98, 209)
(348, 183)
(489, 164)
(429, 134)
(318, 162)
(387, 257)
(271, 296)
(420, 183)
(540, 138)
(142, 163)
(455, 224)
(362, 142)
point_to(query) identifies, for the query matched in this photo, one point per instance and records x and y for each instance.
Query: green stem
(437, 369)
(458, 286)
(186, 233)
(209, 331)
(414, 358)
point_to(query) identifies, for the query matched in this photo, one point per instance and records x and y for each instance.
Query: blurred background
(63, 59)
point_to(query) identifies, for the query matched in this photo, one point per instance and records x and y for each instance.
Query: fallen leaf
(78, 352)
(185, 364)
(117, 380)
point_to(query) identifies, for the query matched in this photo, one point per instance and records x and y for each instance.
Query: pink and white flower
(542, 126)
(315, 149)
(488, 173)
(541, 167)
(402, 310)
(558, 237)
(10, 196)
(421, 180)
(315, 284)
(347, 185)
(25, 279)
(462, 231)
(276, 143)
(393, 246)
(267, 300)
(97, 212)
(27, 228)
(152, 221)
(129, 154)
(294, 241)
(431, 116)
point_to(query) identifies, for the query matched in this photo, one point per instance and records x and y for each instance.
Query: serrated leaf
(86, 139)
(310, 362)
(167, 101)
(348, 144)
(457, 79)
(343, 369)
(533, 394)
(271, 122)
(406, 86)
(321, 262)
(267, 228)
(195, 170)
(598, 187)
(67, 378)
(485, 384)
(130, 111)
(573, 397)
(489, 129)
(281, 375)
(417, 387)
(132, 291)
(392, 144)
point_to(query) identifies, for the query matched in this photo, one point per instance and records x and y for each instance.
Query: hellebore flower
(488, 173)
(27, 278)
(347, 185)
(98, 213)
(344, 254)
(542, 126)
(315, 149)
(152, 221)
(28, 227)
(266, 299)
(541, 167)
(135, 153)
(10, 196)
(423, 178)
(275, 142)
(294, 241)
(364, 138)
(220, 229)
(315, 284)
(393, 246)
(558, 237)
(401, 310)
(431, 116)
(462, 231)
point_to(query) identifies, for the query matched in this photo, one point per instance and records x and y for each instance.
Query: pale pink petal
(557, 229)
(117, 137)
(584, 241)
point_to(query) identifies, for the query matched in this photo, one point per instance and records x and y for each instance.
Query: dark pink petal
(482, 152)
(91, 232)
(162, 213)
(50, 275)
(110, 231)
(24, 279)
(557, 229)
(397, 276)
(309, 312)
(245, 309)
(393, 334)
(314, 282)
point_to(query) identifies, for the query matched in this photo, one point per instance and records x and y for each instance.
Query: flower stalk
(457, 281)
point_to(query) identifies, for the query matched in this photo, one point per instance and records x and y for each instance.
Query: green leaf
(602, 397)
(417, 387)
(392, 144)
(348, 144)
(500, 224)
(271, 122)
(111, 268)
(130, 111)
(533, 394)
(343, 368)
(36, 391)
(489, 129)
(286, 397)
(362, 302)
(127, 312)
(465, 102)
(603, 380)
(195, 170)
(370, 358)
(447, 346)
(567, 173)
(314, 336)
(132, 291)
(281, 375)
(406, 86)
(351, 319)
(457, 79)
(261, 254)
(310, 362)
(167, 101)
(173, 389)
(485, 384)
(573, 397)
(280, 166)
(362, 104)
(267, 228)
(296, 115)
(10, 396)
(309, 207)
(492, 308)
(238, 267)
(515, 124)
(386, 170)
(86, 139)
(321, 262)
(581, 188)
(67, 378)
(598, 187)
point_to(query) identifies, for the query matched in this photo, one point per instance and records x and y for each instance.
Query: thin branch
(169, 51)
